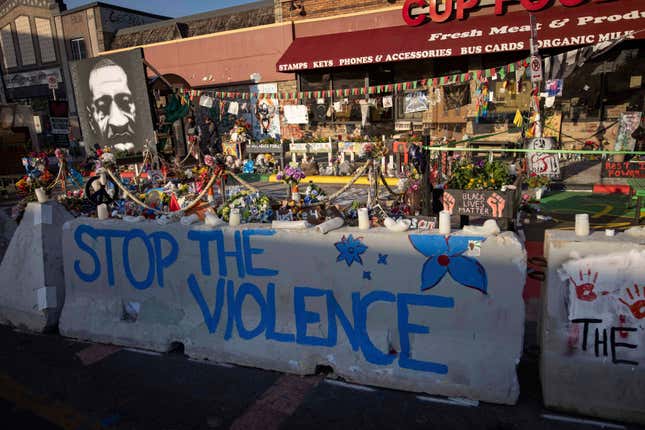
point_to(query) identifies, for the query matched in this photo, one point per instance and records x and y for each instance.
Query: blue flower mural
(350, 250)
(445, 255)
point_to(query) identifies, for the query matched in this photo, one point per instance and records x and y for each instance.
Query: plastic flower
(350, 250)
(209, 160)
(445, 255)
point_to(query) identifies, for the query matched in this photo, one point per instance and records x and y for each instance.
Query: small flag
(518, 121)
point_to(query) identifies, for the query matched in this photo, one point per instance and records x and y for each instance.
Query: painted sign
(413, 16)
(488, 204)
(540, 163)
(255, 147)
(59, 125)
(266, 112)
(419, 312)
(624, 169)
(629, 122)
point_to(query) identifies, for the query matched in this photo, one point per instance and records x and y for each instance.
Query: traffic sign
(52, 80)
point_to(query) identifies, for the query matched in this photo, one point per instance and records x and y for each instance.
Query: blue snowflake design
(350, 250)
(445, 255)
(367, 275)
(382, 259)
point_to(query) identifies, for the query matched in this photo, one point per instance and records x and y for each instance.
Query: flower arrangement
(313, 194)
(254, 207)
(482, 175)
(375, 150)
(536, 181)
(291, 175)
(242, 126)
(38, 175)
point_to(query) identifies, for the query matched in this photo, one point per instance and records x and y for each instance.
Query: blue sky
(172, 8)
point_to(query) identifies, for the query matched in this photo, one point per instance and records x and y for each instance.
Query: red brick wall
(323, 8)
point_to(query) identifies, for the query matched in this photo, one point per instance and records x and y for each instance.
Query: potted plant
(537, 185)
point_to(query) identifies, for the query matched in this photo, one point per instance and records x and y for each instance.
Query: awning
(557, 27)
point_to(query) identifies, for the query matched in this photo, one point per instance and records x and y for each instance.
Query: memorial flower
(446, 255)
(291, 175)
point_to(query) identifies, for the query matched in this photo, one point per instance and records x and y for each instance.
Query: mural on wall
(450, 255)
(113, 103)
(605, 302)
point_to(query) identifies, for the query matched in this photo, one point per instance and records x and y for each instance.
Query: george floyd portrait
(112, 101)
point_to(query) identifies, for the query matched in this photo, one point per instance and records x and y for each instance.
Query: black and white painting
(112, 101)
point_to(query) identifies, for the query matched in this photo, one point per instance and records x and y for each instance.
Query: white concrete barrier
(32, 286)
(593, 325)
(417, 312)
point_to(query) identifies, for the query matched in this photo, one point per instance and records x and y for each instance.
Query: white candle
(610, 232)
(329, 157)
(582, 224)
(294, 158)
(391, 160)
(103, 179)
(102, 211)
(351, 156)
(96, 185)
(41, 195)
(444, 222)
(363, 219)
(383, 166)
(234, 218)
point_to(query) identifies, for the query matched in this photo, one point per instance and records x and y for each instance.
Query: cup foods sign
(417, 12)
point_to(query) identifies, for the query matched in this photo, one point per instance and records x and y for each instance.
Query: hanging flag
(518, 121)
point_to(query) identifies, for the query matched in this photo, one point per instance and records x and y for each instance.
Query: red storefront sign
(557, 27)
(460, 8)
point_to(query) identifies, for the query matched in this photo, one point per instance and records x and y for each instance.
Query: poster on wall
(540, 163)
(296, 114)
(266, 118)
(113, 103)
(416, 102)
(629, 122)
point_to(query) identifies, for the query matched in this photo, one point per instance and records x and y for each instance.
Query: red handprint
(448, 202)
(584, 290)
(497, 204)
(637, 308)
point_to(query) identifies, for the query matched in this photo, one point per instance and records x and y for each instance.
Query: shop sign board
(417, 12)
(36, 77)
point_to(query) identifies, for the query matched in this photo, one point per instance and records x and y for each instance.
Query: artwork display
(113, 104)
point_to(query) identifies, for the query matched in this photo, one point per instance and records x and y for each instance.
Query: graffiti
(585, 290)
(382, 259)
(445, 255)
(350, 250)
(637, 308)
(600, 340)
(228, 278)
(600, 290)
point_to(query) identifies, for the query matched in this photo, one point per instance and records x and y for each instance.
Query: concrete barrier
(593, 325)
(32, 286)
(417, 312)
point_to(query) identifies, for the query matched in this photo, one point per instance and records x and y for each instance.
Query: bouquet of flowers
(38, 175)
(536, 181)
(375, 150)
(254, 207)
(313, 194)
(291, 175)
